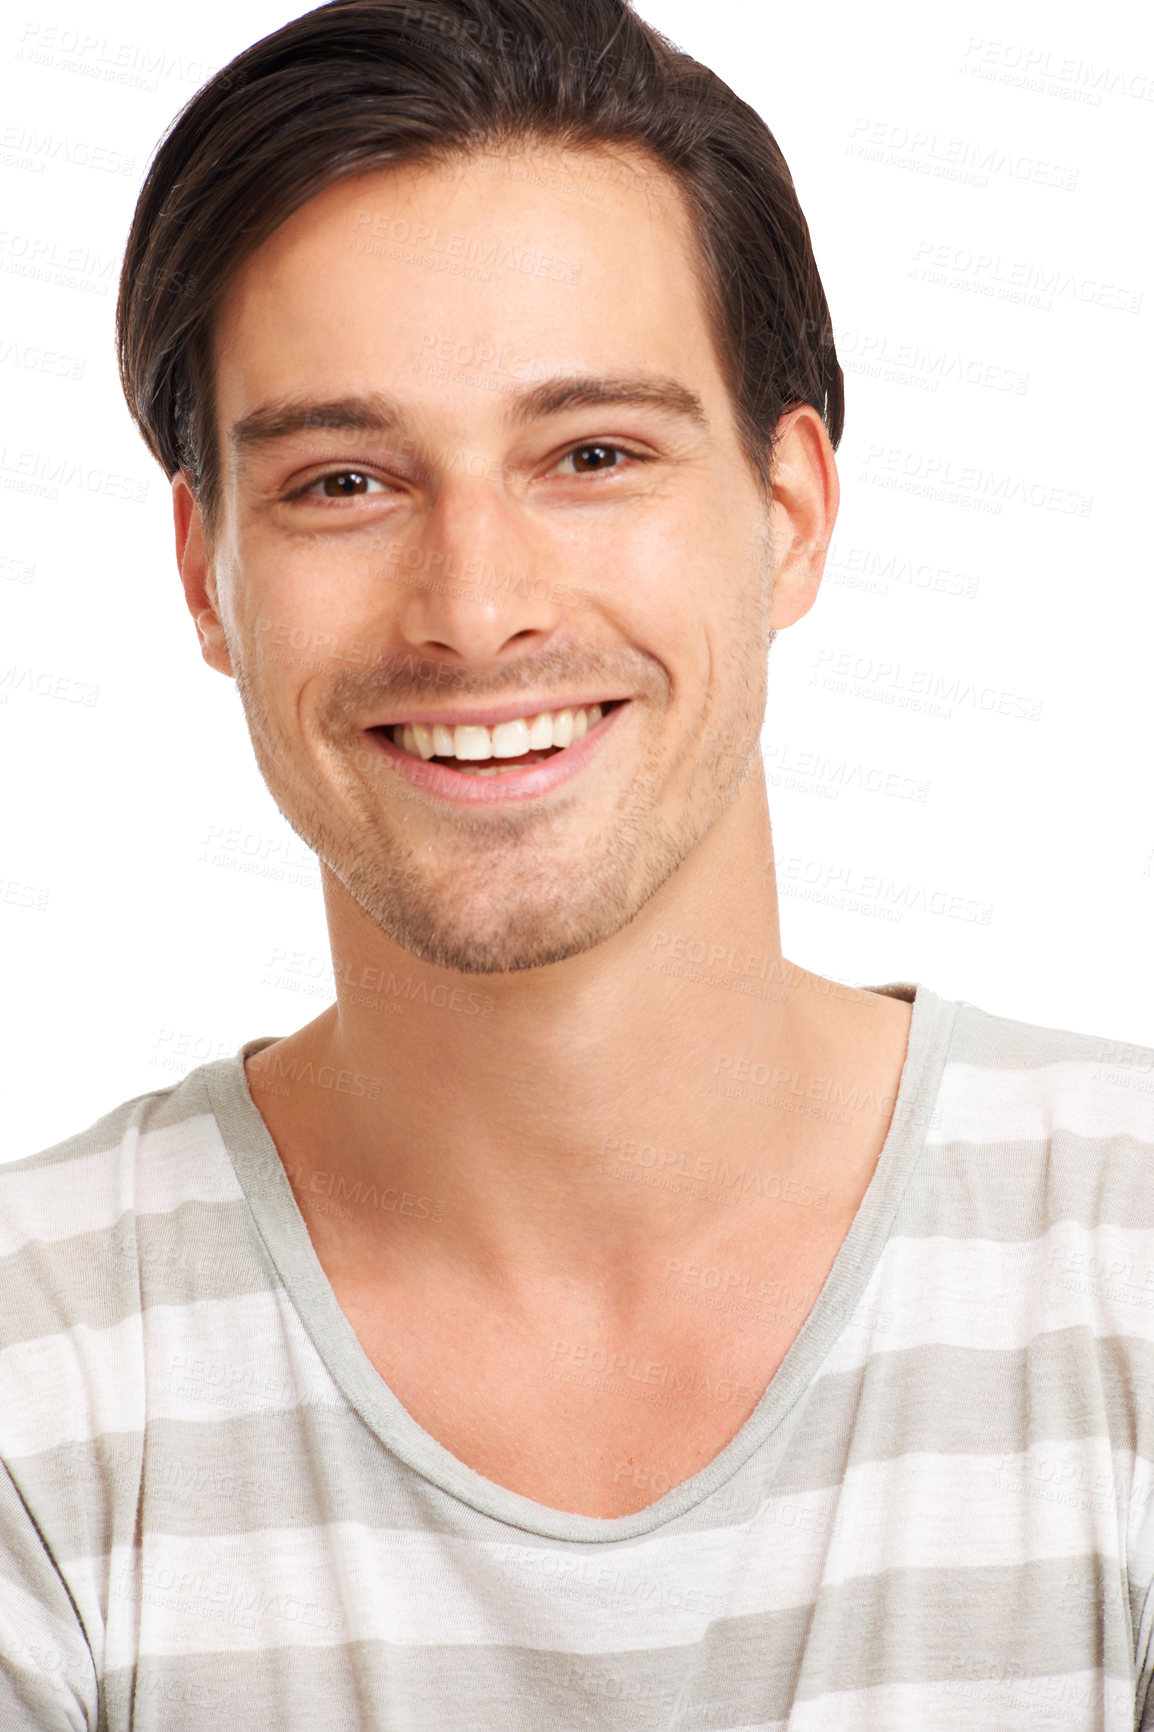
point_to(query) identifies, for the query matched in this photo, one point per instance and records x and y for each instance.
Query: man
(591, 1319)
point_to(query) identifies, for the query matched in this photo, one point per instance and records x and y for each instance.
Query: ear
(806, 494)
(196, 574)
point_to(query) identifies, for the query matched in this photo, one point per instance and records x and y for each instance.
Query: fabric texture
(214, 1512)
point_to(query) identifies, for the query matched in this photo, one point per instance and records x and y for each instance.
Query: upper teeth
(505, 740)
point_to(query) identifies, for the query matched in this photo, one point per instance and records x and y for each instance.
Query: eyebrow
(554, 396)
(374, 413)
(289, 415)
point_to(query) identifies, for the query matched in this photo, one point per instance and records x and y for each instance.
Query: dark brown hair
(359, 83)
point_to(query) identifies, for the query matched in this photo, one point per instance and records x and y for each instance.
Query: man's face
(544, 506)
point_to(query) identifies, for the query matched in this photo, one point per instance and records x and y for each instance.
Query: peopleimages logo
(25, 147)
(132, 64)
(813, 771)
(905, 687)
(962, 159)
(1027, 67)
(949, 265)
(875, 354)
(43, 474)
(992, 487)
(873, 893)
(399, 237)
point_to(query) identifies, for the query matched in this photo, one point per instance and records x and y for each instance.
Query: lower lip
(513, 785)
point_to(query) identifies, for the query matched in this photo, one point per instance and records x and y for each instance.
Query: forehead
(444, 283)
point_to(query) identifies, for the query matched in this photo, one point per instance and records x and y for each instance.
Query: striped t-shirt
(215, 1514)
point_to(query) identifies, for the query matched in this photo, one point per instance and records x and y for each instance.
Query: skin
(552, 919)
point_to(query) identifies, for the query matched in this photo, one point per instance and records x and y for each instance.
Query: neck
(586, 1110)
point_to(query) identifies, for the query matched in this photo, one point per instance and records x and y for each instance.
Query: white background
(977, 183)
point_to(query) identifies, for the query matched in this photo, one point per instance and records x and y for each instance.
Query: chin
(488, 940)
(544, 916)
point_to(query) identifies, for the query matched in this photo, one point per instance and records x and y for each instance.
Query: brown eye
(345, 485)
(588, 458)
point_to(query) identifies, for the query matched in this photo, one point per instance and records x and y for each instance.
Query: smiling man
(591, 1319)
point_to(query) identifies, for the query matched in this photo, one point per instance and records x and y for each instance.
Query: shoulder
(1021, 1083)
(1039, 1162)
(84, 1224)
(95, 1232)
(141, 1156)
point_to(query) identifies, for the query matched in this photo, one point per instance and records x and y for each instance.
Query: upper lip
(491, 716)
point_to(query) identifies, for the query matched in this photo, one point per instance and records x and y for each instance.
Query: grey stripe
(902, 1627)
(373, 1685)
(961, 1190)
(84, 1497)
(33, 1700)
(195, 1251)
(916, 1626)
(1008, 1191)
(40, 1669)
(1002, 1043)
(767, 1430)
(296, 1468)
(155, 1111)
(1065, 1386)
(371, 1464)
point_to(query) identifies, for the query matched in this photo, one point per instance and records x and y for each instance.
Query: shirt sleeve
(1143, 1694)
(48, 1679)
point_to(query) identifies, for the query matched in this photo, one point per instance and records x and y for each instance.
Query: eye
(341, 484)
(591, 459)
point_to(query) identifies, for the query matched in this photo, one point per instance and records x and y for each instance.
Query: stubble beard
(503, 900)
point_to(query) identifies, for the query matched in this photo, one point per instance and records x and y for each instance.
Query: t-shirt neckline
(282, 1228)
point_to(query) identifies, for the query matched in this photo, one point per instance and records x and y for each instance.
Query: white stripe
(992, 1294)
(1140, 1547)
(1054, 1500)
(185, 1163)
(225, 1358)
(35, 1640)
(69, 1388)
(212, 1360)
(323, 1586)
(945, 1512)
(981, 1104)
(152, 1173)
(1075, 1701)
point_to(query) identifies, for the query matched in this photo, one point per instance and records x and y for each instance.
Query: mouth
(518, 757)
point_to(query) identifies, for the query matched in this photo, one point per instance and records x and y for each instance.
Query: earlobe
(806, 494)
(196, 574)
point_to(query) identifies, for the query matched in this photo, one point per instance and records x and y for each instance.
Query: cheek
(671, 561)
(703, 577)
(294, 596)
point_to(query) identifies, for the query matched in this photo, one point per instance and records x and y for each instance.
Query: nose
(476, 587)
